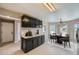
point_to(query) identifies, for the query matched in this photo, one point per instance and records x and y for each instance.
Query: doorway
(7, 31)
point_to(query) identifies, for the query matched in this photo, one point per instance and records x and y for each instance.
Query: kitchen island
(30, 42)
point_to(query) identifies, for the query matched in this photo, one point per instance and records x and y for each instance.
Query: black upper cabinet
(32, 22)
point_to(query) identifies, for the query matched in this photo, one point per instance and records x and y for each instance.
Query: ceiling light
(46, 5)
(50, 6)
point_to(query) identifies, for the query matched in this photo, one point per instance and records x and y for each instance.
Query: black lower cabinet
(27, 45)
(39, 40)
(42, 39)
(31, 43)
(34, 42)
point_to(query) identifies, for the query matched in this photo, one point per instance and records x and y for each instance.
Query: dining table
(58, 38)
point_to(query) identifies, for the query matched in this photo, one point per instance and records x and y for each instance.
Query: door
(6, 32)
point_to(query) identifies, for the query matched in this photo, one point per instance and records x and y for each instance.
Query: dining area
(60, 39)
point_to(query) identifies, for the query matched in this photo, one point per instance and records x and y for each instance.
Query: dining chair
(66, 40)
(52, 37)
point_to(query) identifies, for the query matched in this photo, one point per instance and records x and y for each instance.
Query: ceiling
(65, 11)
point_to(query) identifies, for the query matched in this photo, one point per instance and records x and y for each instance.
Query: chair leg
(69, 45)
(64, 44)
(53, 40)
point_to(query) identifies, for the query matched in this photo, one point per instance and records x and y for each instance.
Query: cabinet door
(23, 24)
(42, 39)
(39, 40)
(34, 42)
(35, 23)
(22, 43)
(28, 45)
(29, 24)
(32, 23)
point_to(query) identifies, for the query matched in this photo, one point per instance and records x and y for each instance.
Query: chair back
(67, 38)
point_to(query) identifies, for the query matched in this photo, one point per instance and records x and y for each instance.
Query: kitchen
(32, 33)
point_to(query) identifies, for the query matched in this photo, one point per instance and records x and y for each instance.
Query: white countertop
(31, 36)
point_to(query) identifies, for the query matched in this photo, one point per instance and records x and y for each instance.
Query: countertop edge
(25, 37)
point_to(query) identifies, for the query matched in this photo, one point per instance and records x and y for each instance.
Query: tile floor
(44, 49)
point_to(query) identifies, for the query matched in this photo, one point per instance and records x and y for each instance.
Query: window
(52, 28)
(63, 30)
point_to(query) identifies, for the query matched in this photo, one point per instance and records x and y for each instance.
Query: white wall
(17, 31)
(46, 33)
(6, 12)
